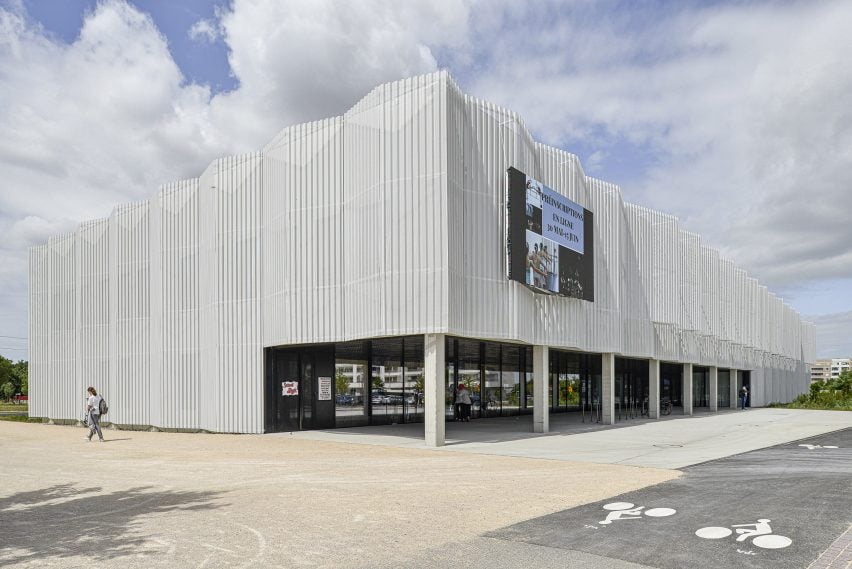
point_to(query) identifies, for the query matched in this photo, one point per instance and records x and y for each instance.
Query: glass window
(388, 381)
(351, 378)
(510, 394)
(671, 384)
(414, 379)
(529, 394)
(724, 392)
(569, 379)
(631, 388)
(452, 369)
(700, 387)
(492, 396)
(552, 378)
(469, 372)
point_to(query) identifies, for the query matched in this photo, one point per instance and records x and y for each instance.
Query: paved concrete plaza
(314, 499)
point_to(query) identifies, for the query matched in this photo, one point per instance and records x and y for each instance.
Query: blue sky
(733, 116)
(200, 62)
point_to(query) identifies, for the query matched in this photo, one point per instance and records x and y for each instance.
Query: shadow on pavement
(504, 429)
(68, 520)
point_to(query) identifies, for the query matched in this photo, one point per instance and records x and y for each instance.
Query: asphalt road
(805, 493)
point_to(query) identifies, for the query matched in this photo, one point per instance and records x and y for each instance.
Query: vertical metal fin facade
(387, 220)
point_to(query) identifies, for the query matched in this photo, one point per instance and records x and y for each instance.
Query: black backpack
(103, 407)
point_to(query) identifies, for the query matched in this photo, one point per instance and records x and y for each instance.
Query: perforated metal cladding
(388, 220)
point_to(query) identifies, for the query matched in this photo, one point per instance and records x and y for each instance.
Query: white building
(378, 240)
(825, 370)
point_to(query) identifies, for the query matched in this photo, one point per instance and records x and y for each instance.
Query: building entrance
(671, 387)
(631, 388)
(297, 395)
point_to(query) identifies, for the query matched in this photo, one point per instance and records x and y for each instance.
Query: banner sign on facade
(549, 239)
(325, 389)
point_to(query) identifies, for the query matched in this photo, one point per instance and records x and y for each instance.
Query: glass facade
(352, 376)
(700, 386)
(631, 388)
(671, 386)
(382, 381)
(575, 383)
(498, 377)
(724, 391)
(379, 381)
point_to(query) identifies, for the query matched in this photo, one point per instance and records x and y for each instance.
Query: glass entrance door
(288, 392)
(307, 390)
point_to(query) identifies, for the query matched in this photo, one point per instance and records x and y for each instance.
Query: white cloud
(204, 30)
(742, 110)
(833, 337)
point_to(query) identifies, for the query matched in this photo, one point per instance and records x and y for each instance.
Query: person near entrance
(464, 402)
(743, 397)
(93, 410)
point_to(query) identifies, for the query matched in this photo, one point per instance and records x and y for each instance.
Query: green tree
(6, 371)
(20, 377)
(7, 390)
(14, 373)
(341, 384)
(843, 384)
(816, 389)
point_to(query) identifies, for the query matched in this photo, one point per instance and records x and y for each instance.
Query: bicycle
(665, 406)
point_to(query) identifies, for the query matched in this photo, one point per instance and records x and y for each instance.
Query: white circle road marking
(660, 512)
(618, 506)
(713, 533)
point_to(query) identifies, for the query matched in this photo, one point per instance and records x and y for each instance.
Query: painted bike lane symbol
(812, 447)
(627, 511)
(760, 531)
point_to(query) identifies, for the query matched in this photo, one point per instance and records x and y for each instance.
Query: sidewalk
(672, 442)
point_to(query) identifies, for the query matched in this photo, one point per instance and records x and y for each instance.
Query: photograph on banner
(542, 262)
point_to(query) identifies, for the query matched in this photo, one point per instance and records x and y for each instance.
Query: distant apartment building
(823, 370)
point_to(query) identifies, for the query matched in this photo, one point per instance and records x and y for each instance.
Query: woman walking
(93, 410)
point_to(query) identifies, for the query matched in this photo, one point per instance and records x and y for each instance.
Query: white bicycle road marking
(812, 447)
(628, 511)
(761, 532)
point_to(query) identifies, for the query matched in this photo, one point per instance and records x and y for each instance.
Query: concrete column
(541, 377)
(734, 388)
(714, 388)
(435, 355)
(608, 389)
(653, 389)
(687, 389)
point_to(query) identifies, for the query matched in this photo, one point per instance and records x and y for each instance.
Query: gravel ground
(198, 500)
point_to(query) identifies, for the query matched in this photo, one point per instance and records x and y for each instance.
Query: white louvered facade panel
(388, 220)
(94, 302)
(129, 387)
(66, 391)
(180, 331)
(39, 298)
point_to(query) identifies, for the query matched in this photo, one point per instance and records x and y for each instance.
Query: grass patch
(838, 405)
(834, 395)
(20, 419)
(16, 407)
